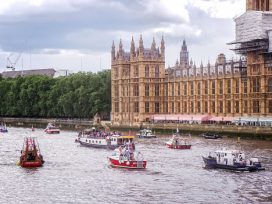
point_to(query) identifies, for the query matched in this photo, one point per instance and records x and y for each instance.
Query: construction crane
(11, 64)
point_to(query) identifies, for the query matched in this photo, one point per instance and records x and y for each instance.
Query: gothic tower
(184, 56)
(259, 5)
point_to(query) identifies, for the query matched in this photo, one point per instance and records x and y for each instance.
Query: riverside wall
(256, 132)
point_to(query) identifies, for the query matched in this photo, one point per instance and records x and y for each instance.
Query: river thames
(76, 174)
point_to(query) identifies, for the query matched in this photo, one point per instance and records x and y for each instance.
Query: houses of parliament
(143, 87)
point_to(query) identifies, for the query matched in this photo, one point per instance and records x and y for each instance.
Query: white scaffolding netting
(253, 25)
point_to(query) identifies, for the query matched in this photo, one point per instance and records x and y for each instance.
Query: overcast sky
(77, 34)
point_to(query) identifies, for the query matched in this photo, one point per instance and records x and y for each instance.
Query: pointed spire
(162, 47)
(113, 46)
(201, 65)
(120, 45)
(209, 65)
(141, 44)
(184, 46)
(153, 46)
(113, 51)
(132, 47)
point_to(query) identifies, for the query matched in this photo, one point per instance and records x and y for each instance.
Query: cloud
(59, 28)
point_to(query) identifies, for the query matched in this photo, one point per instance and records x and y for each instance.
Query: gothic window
(157, 90)
(192, 88)
(178, 108)
(146, 107)
(178, 89)
(166, 107)
(221, 87)
(270, 85)
(116, 73)
(136, 107)
(220, 106)
(136, 71)
(229, 86)
(157, 107)
(256, 107)
(185, 89)
(185, 107)
(166, 89)
(173, 107)
(237, 86)
(157, 71)
(198, 88)
(267, 5)
(245, 107)
(228, 106)
(256, 85)
(237, 110)
(213, 87)
(146, 71)
(116, 107)
(147, 90)
(116, 91)
(213, 107)
(270, 106)
(173, 90)
(198, 107)
(136, 90)
(192, 107)
(206, 107)
(206, 87)
(245, 87)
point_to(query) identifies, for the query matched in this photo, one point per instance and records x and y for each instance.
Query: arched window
(157, 71)
(270, 85)
(146, 71)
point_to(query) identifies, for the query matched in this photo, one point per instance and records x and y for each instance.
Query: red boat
(52, 129)
(30, 154)
(126, 157)
(176, 142)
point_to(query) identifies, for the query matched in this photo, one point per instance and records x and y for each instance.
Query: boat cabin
(229, 157)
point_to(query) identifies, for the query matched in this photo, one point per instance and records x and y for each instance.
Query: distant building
(144, 90)
(14, 74)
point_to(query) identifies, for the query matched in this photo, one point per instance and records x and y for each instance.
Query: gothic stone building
(142, 87)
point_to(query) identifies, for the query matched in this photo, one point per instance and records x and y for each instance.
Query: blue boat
(232, 160)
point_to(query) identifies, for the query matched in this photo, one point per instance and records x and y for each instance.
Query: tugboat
(208, 135)
(52, 129)
(102, 139)
(176, 142)
(126, 157)
(146, 133)
(232, 160)
(30, 154)
(3, 128)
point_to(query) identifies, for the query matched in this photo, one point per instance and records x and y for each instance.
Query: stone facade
(143, 87)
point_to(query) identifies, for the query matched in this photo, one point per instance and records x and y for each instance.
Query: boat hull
(3, 130)
(178, 146)
(52, 131)
(211, 163)
(131, 164)
(147, 137)
(85, 144)
(31, 164)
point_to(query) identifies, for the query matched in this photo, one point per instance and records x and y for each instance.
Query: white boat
(232, 160)
(3, 128)
(52, 129)
(146, 133)
(104, 140)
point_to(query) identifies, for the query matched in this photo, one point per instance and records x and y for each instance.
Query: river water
(76, 174)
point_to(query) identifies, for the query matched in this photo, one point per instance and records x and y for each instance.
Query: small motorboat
(3, 128)
(30, 154)
(232, 160)
(126, 157)
(209, 135)
(146, 133)
(51, 129)
(178, 142)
